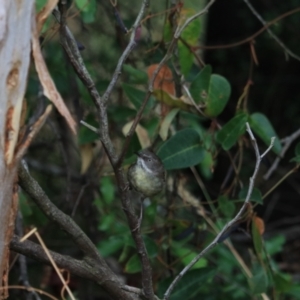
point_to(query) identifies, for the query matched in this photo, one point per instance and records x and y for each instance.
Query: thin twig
(230, 223)
(94, 129)
(279, 42)
(287, 141)
(125, 54)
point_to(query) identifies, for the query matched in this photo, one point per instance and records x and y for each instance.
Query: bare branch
(125, 54)
(230, 223)
(287, 51)
(77, 267)
(287, 141)
(93, 258)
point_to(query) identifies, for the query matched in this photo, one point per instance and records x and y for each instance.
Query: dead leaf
(141, 132)
(35, 128)
(260, 224)
(49, 87)
(166, 123)
(164, 79)
(44, 13)
(87, 154)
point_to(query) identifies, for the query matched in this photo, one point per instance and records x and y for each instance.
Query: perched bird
(147, 175)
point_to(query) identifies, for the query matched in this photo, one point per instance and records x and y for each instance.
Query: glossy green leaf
(232, 130)
(166, 123)
(200, 85)
(261, 125)
(135, 76)
(255, 196)
(182, 150)
(137, 97)
(190, 285)
(226, 206)
(218, 95)
(133, 265)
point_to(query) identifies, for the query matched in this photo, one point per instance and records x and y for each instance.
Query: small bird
(147, 175)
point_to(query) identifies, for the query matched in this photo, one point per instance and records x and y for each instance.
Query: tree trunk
(15, 45)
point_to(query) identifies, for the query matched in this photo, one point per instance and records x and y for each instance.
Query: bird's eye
(149, 159)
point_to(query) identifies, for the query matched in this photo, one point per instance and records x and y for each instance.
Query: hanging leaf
(182, 150)
(190, 36)
(213, 91)
(164, 79)
(218, 95)
(200, 85)
(141, 132)
(255, 196)
(232, 130)
(226, 206)
(261, 125)
(166, 123)
(170, 100)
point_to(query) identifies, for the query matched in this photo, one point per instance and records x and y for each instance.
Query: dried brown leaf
(49, 87)
(44, 13)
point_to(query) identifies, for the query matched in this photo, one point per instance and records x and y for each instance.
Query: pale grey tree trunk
(15, 46)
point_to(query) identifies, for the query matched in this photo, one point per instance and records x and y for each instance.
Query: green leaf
(191, 36)
(255, 196)
(274, 245)
(110, 245)
(135, 76)
(186, 255)
(190, 285)
(226, 206)
(166, 123)
(107, 188)
(151, 246)
(297, 149)
(261, 125)
(259, 282)
(297, 153)
(232, 130)
(137, 97)
(199, 86)
(133, 265)
(182, 150)
(218, 95)
(88, 9)
(282, 282)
